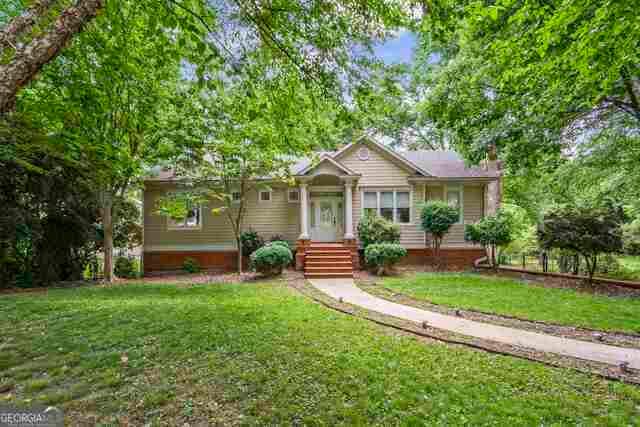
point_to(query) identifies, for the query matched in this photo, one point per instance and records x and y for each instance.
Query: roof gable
(386, 152)
(326, 164)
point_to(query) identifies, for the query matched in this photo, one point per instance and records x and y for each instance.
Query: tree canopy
(553, 84)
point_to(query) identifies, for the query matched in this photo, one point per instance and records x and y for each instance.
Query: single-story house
(319, 214)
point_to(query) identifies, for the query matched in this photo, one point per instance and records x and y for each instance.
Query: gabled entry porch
(326, 209)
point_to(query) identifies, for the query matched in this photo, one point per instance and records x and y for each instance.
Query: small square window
(294, 196)
(236, 196)
(265, 196)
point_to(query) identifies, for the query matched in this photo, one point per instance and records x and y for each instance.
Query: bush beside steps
(271, 259)
(383, 256)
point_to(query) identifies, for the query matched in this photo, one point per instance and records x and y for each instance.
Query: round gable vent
(363, 153)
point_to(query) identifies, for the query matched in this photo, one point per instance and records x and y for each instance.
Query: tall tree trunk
(22, 24)
(28, 60)
(239, 243)
(107, 225)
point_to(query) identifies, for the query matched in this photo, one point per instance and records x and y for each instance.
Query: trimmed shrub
(491, 232)
(191, 265)
(383, 256)
(375, 229)
(437, 219)
(125, 267)
(251, 242)
(281, 243)
(271, 259)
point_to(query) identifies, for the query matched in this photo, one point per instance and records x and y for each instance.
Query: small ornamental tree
(587, 230)
(491, 232)
(437, 219)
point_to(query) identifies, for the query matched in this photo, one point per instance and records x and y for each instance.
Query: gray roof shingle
(445, 164)
(440, 164)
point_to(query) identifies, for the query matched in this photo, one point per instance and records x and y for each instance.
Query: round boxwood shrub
(124, 267)
(191, 265)
(281, 243)
(375, 229)
(383, 256)
(269, 260)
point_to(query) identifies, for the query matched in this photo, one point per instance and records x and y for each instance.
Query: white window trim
(289, 195)
(460, 189)
(270, 191)
(186, 228)
(395, 205)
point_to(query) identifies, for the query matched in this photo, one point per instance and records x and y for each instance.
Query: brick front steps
(324, 260)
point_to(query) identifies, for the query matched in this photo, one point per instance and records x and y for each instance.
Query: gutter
(453, 179)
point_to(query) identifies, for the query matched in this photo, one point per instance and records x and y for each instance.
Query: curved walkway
(350, 293)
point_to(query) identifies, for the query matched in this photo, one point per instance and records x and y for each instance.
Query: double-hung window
(386, 205)
(392, 205)
(370, 203)
(403, 207)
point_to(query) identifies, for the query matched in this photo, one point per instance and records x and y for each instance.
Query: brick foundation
(224, 261)
(227, 261)
(453, 258)
(352, 244)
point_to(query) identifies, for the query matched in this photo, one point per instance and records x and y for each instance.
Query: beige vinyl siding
(472, 212)
(277, 217)
(435, 192)
(326, 168)
(215, 233)
(411, 235)
(472, 202)
(378, 170)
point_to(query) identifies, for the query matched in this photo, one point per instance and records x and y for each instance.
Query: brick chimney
(493, 195)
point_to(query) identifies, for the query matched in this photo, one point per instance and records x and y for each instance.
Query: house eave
(450, 179)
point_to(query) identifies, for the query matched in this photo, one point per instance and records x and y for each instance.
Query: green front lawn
(515, 298)
(261, 353)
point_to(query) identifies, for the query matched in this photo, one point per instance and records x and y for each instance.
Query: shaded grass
(516, 298)
(260, 353)
(630, 267)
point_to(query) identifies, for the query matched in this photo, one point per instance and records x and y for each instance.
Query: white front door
(326, 219)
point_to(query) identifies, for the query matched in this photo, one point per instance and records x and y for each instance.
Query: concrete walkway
(350, 293)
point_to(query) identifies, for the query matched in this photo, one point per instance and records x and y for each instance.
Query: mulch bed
(204, 277)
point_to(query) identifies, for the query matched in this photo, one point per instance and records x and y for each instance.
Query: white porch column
(348, 217)
(304, 220)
